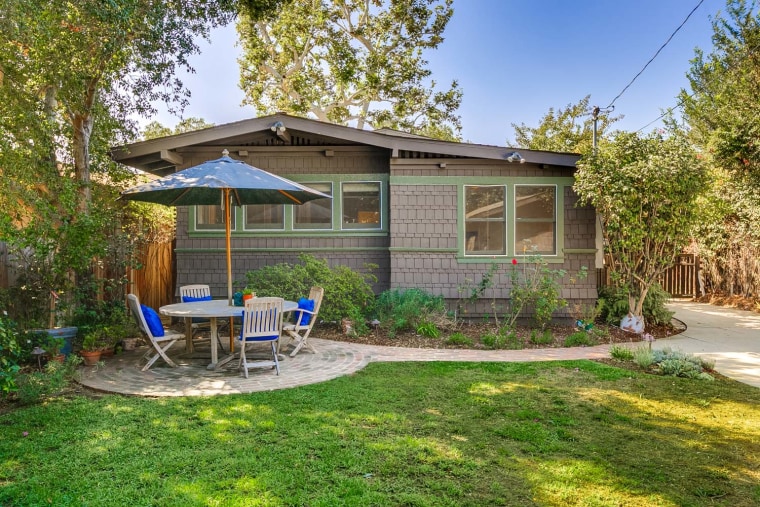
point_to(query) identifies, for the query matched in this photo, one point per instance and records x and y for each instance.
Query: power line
(657, 53)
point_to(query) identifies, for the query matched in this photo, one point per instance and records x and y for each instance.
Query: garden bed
(475, 332)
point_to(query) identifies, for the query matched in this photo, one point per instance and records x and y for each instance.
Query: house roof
(163, 155)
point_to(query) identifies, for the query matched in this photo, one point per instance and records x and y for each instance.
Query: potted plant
(53, 346)
(91, 348)
(248, 294)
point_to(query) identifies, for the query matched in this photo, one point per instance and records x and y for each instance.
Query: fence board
(678, 281)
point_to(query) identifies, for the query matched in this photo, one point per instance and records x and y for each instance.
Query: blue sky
(515, 59)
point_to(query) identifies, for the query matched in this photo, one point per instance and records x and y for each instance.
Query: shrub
(9, 355)
(347, 293)
(541, 339)
(398, 310)
(621, 353)
(36, 385)
(614, 305)
(577, 339)
(643, 357)
(459, 339)
(428, 329)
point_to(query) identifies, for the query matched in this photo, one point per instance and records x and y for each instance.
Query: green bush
(614, 305)
(577, 339)
(544, 338)
(459, 339)
(37, 385)
(347, 293)
(428, 329)
(621, 353)
(9, 355)
(643, 357)
(399, 310)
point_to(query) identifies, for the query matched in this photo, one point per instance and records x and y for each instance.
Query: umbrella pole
(228, 233)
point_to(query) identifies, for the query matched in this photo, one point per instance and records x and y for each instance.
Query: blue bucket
(68, 334)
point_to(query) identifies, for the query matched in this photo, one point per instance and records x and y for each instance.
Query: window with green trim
(361, 204)
(264, 217)
(210, 218)
(316, 214)
(485, 219)
(535, 219)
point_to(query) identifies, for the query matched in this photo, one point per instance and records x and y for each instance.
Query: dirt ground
(601, 333)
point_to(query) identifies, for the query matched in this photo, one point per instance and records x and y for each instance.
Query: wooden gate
(678, 281)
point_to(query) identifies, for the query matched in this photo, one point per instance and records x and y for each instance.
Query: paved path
(731, 337)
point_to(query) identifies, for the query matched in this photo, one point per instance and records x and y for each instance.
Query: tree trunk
(82, 126)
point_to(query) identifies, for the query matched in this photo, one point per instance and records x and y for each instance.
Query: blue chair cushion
(153, 321)
(258, 338)
(191, 299)
(305, 304)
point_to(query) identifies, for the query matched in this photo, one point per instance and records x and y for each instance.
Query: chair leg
(243, 361)
(159, 352)
(276, 361)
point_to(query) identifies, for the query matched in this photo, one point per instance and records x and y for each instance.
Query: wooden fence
(678, 281)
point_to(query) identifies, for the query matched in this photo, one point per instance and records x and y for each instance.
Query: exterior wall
(426, 251)
(421, 243)
(201, 255)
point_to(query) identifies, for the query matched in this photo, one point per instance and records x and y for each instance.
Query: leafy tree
(154, 129)
(566, 130)
(645, 189)
(723, 109)
(71, 73)
(347, 61)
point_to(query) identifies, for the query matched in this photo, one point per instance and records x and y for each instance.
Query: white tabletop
(213, 308)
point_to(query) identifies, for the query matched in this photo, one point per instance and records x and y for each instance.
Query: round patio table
(212, 310)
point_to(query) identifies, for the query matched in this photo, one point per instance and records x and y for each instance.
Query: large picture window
(316, 214)
(210, 218)
(485, 220)
(361, 205)
(536, 219)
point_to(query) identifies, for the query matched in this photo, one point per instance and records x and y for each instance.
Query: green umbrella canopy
(204, 185)
(221, 181)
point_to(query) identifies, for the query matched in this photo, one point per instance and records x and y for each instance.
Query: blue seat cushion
(153, 320)
(305, 304)
(191, 299)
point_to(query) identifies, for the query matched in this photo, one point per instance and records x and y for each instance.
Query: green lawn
(438, 434)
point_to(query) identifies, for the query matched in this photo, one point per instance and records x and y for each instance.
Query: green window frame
(485, 220)
(535, 219)
(375, 186)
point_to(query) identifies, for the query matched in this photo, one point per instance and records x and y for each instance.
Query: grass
(413, 434)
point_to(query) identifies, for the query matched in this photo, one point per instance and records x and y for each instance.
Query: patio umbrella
(224, 181)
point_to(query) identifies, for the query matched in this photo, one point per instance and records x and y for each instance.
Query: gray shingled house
(431, 214)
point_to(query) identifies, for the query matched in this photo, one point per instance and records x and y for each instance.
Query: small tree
(645, 189)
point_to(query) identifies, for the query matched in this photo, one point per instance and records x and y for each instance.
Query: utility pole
(595, 116)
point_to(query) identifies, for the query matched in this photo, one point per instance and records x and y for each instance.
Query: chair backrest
(263, 318)
(134, 306)
(194, 291)
(315, 294)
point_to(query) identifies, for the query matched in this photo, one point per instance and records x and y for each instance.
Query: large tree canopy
(645, 189)
(347, 61)
(566, 130)
(723, 109)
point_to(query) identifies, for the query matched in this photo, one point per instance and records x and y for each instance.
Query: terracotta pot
(91, 357)
(60, 358)
(246, 297)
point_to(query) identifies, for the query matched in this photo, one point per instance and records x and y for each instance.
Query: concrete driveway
(729, 336)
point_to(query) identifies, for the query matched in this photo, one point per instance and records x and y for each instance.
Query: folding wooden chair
(262, 323)
(199, 292)
(157, 345)
(299, 330)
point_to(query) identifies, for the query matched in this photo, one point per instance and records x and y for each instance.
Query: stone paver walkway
(332, 359)
(730, 337)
